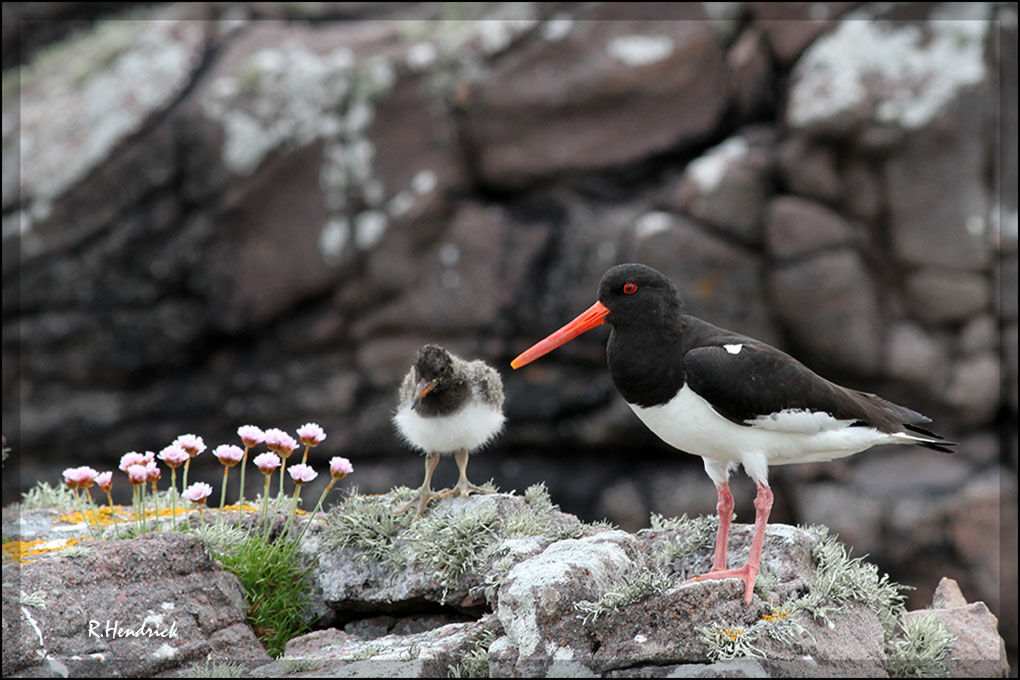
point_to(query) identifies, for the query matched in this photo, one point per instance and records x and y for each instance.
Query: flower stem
(187, 464)
(265, 515)
(318, 506)
(113, 516)
(240, 497)
(95, 512)
(290, 520)
(84, 513)
(145, 508)
(173, 495)
(136, 498)
(223, 496)
(283, 466)
(304, 458)
(155, 502)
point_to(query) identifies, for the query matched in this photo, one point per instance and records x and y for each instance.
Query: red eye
(630, 288)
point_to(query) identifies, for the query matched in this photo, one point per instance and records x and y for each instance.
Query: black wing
(757, 380)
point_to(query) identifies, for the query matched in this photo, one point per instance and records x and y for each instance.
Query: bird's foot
(465, 488)
(421, 500)
(747, 573)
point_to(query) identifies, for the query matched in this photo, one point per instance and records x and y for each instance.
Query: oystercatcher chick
(728, 398)
(448, 404)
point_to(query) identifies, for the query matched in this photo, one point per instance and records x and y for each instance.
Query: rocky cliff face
(487, 586)
(211, 220)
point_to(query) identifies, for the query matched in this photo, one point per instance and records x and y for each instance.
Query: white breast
(471, 427)
(689, 423)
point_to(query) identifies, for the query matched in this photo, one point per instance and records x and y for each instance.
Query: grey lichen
(293, 666)
(370, 525)
(840, 578)
(453, 548)
(366, 652)
(631, 589)
(695, 535)
(474, 661)
(219, 539)
(214, 669)
(449, 546)
(42, 495)
(35, 599)
(922, 651)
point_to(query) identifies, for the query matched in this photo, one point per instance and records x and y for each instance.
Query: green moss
(923, 649)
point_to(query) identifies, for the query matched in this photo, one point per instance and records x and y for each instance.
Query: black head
(637, 295)
(440, 389)
(433, 363)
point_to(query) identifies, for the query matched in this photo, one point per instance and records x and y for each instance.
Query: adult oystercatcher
(727, 397)
(448, 404)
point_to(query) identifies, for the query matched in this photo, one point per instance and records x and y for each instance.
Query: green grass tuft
(275, 586)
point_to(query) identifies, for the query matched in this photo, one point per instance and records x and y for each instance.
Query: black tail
(937, 442)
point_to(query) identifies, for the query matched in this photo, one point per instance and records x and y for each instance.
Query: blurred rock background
(223, 213)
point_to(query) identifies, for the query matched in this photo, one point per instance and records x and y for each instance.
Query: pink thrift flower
(340, 467)
(138, 474)
(86, 476)
(197, 492)
(174, 456)
(273, 437)
(149, 457)
(267, 462)
(191, 443)
(104, 480)
(71, 478)
(229, 454)
(131, 458)
(251, 435)
(311, 434)
(302, 474)
(286, 445)
(152, 472)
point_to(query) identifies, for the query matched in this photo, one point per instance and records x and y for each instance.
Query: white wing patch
(689, 423)
(799, 420)
(733, 349)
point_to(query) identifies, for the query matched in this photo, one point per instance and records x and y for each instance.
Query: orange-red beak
(421, 389)
(590, 318)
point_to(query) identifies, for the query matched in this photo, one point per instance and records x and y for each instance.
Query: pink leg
(749, 572)
(725, 509)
